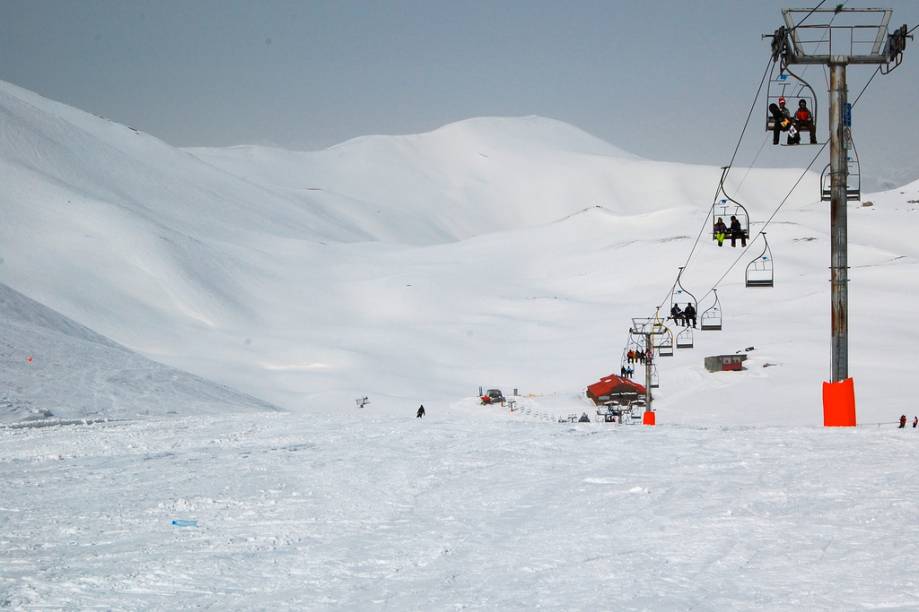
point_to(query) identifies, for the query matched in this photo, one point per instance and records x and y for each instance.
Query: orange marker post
(839, 403)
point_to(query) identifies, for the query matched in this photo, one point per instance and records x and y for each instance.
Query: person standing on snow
(420, 412)
(902, 421)
(915, 421)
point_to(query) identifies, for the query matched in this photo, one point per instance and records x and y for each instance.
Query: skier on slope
(902, 421)
(420, 412)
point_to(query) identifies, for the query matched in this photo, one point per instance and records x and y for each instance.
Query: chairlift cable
(755, 159)
(769, 64)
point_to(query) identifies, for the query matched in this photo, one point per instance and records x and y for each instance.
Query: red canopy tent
(613, 385)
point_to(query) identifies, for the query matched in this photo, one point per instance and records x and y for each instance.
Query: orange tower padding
(839, 403)
(648, 417)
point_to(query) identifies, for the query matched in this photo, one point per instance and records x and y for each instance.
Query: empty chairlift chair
(684, 339)
(853, 178)
(711, 316)
(760, 271)
(665, 343)
(655, 379)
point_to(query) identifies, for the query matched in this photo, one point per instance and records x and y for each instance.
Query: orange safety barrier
(839, 403)
(648, 417)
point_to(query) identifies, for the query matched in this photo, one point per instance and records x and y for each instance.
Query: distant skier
(689, 314)
(915, 421)
(721, 231)
(737, 232)
(584, 418)
(902, 421)
(420, 412)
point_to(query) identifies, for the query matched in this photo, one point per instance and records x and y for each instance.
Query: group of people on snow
(735, 231)
(903, 421)
(801, 120)
(634, 356)
(685, 316)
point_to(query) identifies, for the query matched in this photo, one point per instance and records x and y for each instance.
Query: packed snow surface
(468, 508)
(158, 307)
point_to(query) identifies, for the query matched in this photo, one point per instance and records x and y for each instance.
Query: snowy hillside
(508, 252)
(55, 369)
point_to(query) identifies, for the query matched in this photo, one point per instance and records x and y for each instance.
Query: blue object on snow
(184, 523)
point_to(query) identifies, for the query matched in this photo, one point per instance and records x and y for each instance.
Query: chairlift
(760, 271)
(726, 207)
(655, 379)
(683, 294)
(853, 179)
(665, 344)
(711, 316)
(793, 89)
(684, 338)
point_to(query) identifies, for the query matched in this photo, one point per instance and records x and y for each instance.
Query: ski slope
(466, 510)
(172, 301)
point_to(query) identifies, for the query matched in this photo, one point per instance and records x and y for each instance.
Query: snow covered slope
(54, 368)
(508, 252)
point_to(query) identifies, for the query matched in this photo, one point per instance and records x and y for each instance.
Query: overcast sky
(669, 80)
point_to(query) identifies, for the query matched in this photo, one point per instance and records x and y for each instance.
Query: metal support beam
(649, 355)
(839, 176)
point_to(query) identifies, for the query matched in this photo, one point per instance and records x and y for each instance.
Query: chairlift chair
(793, 88)
(655, 379)
(726, 207)
(760, 272)
(711, 316)
(665, 344)
(683, 294)
(684, 338)
(854, 178)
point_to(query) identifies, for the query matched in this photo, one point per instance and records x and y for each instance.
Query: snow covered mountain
(496, 251)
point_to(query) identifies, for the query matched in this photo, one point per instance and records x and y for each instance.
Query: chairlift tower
(648, 328)
(836, 38)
